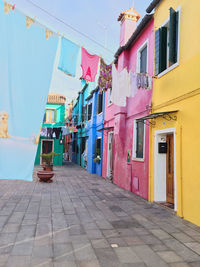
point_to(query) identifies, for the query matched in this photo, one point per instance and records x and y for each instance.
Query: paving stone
(107, 257)
(94, 263)
(169, 256)
(182, 237)
(18, 261)
(194, 246)
(126, 255)
(100, 243)
(160, 234)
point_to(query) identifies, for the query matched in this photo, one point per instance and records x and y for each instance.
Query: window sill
(168, 70)
(110, 104)
(100, 113)
(138, 159)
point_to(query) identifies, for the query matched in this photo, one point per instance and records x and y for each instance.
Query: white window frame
(109, 97)
(168, 69)
(145, 44)
(51, 109)
(135, 142)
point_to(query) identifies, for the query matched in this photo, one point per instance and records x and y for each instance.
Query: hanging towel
(105, 76)
(57, 131)
(120, 86)
(68, 57)
(65, 130)
(133, 79)
(43, 132)
(49, 133)
(89, 65)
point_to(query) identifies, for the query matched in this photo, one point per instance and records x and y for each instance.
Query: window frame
(90, 104)
(98, 113)
(168, 69)
(55, 113)
(140, 49)
(134, 147)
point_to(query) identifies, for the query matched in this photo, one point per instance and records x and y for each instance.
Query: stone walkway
(82, 220)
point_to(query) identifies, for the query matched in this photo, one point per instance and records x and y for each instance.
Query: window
(83, 145)
(99, 103)
(98, 147)
(84, 113)
(138, 140)
(143, 60)
(109, 96)
(89, 111)
(50, 116)
(166, 43)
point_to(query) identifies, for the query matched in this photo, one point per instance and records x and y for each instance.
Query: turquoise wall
(60, 121)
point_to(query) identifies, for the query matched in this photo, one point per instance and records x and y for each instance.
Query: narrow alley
(83, 220)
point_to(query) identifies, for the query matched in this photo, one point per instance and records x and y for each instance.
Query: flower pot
(45, 176)
(47, 167)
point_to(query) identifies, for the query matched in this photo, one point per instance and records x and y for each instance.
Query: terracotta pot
(47, 167)
(45, 176)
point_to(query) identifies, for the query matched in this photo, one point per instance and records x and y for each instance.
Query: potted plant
(97, 159)
(47, 173)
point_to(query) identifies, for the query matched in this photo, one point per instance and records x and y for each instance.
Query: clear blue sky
(85, 16)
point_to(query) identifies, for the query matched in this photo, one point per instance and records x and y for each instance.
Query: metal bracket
(168, 117)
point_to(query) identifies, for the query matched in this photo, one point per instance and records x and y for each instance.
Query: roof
(91, 93)
(135, 35)
(153, 4)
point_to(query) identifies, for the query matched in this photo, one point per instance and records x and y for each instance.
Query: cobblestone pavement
(82, 220)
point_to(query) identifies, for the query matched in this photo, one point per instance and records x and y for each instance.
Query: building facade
(54, 117)
(174, 132)
(126, 141)
(95, 132)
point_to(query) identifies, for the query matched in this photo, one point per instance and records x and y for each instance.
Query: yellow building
(175, 120)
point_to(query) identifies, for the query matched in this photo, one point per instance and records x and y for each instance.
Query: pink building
(126, 140)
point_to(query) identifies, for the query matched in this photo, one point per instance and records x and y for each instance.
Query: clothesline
(52, 32)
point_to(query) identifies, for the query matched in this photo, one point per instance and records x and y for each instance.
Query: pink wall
(122, 119)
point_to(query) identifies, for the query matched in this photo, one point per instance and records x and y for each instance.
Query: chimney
(128, 20)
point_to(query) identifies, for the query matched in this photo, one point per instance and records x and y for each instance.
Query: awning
(105, 128)
(167, 115)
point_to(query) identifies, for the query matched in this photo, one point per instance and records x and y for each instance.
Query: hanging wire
(68, 25)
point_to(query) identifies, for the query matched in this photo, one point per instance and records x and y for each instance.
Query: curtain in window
(26, 66)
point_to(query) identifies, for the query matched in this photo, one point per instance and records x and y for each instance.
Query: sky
(89, 17)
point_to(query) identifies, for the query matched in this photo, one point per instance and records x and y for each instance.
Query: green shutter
(157, 53)
(162, 49)
(173, 36)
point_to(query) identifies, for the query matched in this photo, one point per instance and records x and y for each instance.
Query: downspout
(181, 171)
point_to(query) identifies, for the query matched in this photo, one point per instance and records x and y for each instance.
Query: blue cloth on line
(26, 65)
(68, 57)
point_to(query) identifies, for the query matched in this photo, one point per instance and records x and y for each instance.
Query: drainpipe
(181, 171)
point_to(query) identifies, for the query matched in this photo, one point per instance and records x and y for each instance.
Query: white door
(110, 155)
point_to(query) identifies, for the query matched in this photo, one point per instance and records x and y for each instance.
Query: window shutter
(98, 104)
(157, 53)
(55, 116)
(173, 37)
(163, 49)
(44, 119)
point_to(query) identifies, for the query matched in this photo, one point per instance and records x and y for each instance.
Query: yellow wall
(179, 89)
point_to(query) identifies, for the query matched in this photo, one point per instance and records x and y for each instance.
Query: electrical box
(162, 148)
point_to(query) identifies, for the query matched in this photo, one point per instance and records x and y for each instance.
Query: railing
(56, 99)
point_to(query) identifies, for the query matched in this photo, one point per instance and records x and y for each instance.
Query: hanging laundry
(89, 65)
(133, 81)
(57, 131)
(143, 81)
(65, 130)
(43, 132)
(49, 133)
(68, 57)
(26, 61)
(105, 77)
(120, 86)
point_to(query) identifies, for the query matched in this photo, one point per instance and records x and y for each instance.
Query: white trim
(134, 143)
(42, 140)
(178, 47)
(157, 177)
(145, 44)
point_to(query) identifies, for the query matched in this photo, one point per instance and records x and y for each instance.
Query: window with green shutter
(166, 43)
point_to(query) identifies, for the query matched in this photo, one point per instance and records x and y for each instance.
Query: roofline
(145, 21)
(153, 4)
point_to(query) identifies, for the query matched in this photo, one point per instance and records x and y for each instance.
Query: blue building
(95, 133)
(79, 118)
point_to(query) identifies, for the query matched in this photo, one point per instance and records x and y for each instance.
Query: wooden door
(170, 169)
(47, 147)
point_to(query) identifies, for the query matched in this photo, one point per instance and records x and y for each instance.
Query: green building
(54, 117)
